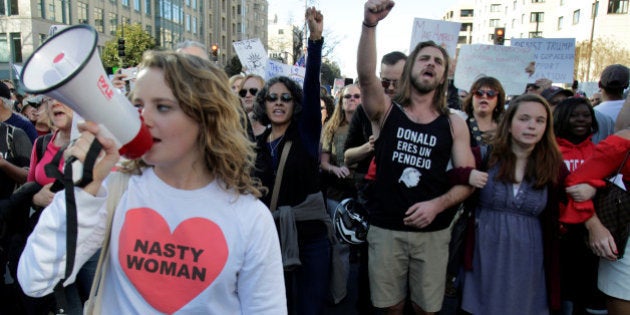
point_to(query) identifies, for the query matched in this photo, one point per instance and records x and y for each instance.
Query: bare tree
(604, 52)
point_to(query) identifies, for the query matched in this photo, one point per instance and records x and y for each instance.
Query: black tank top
(411, 165)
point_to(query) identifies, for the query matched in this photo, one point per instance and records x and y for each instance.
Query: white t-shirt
(204, 251)
(610, 108)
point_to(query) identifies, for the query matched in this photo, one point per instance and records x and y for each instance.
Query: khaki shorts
(400, 260)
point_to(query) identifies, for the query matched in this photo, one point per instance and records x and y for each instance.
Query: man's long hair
(404, 93)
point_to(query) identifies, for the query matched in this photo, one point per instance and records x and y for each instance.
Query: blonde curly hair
(204, 95)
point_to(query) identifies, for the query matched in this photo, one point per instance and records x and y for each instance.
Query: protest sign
(554, 57)
(252, 55)
(506, 64)
(275, 68)
(442, 33)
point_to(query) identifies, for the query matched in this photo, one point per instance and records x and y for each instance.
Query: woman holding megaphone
(188, 234)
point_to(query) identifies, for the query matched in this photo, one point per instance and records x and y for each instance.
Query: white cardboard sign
(554, 57)
(443, 33)
(275, 68)
(505, 63)
(252, 55)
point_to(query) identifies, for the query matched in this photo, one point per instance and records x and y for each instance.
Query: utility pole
(590, 43)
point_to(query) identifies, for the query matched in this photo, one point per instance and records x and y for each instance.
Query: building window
(147, 7)
(4, 48)
(136, 5)
(194, 25)
(148, 29)
(560, 22)
(535, 34)
(187, 22)
(98, 20)
(538, 1)
(576, 17)
(56, 10)
(491, 37)
(462, 40)
(194, 4)
(561, 2)
(536, 17)
(82, 13)
(466, 27)
(113, 23)
(495, 8)
(125, 2)
(16, 47)
(494, 22)
(617, 6)
(466, 13)
(8, 7)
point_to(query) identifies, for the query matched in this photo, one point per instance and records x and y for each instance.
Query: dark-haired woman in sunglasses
(299, 208)
(247, 91)
(484, 106)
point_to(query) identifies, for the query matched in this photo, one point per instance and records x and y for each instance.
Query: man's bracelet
(368, 25)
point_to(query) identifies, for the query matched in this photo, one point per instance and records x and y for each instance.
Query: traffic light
(215, 51)
(499, 35)
(121, 47)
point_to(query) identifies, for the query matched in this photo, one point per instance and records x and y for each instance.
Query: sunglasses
(12, 90)
(252, 91)
(387, 82)
(356, 96)
(489, 93)
(285, 97)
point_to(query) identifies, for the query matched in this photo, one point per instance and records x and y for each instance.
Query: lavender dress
(508, 275)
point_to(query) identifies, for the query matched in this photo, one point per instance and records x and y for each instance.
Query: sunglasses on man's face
(489, 93)
(252, 91)
(356, 96)
(387, 82)
(285, 97)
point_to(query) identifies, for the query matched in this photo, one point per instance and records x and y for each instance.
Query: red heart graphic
(170, 269)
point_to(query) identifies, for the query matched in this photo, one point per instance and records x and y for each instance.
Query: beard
(424, 87)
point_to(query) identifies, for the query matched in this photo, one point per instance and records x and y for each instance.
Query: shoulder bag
(612, 205)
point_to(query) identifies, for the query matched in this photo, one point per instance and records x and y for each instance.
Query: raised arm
(310, 125)
(375, 101)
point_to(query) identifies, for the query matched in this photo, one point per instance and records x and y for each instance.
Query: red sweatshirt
(605, 160)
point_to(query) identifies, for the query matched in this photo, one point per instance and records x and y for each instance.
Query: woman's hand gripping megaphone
(105, 161)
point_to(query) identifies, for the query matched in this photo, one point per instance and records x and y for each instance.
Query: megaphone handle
(74, 167)
(84, 169)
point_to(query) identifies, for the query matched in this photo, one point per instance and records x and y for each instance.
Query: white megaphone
(67, 67)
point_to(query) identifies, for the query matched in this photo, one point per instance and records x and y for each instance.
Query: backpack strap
(41, 143)
(9, 139)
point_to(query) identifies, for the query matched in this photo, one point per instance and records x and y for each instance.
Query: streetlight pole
(590, 43)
